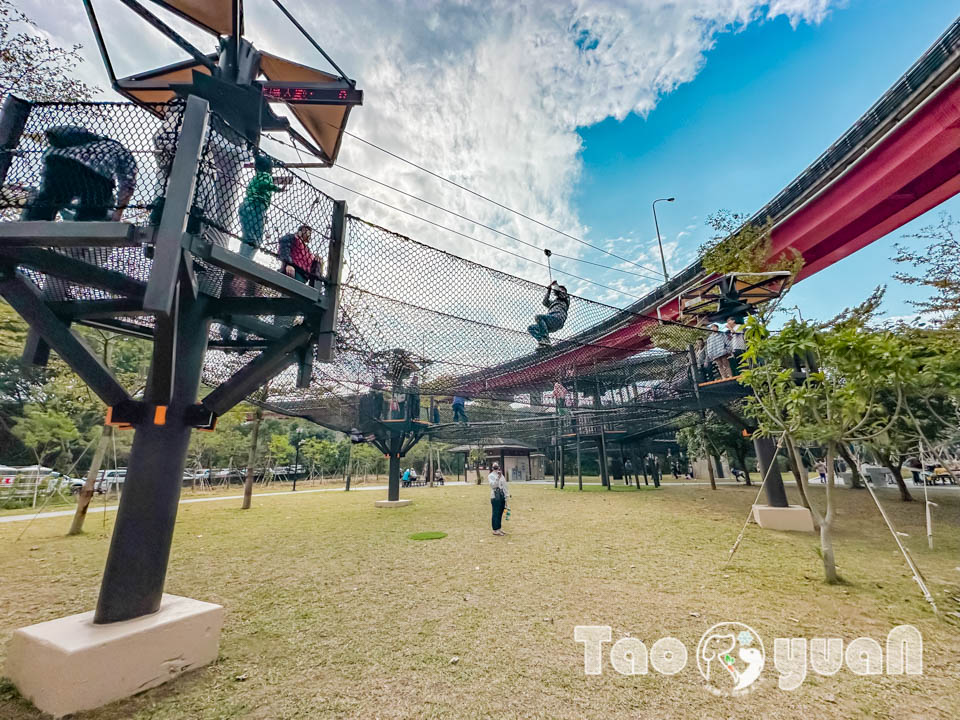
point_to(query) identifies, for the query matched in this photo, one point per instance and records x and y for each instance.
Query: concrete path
(218, 498)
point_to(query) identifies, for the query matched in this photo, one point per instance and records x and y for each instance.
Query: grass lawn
(333, 612)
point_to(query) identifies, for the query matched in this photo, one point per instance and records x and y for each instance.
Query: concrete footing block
(69, 665)
(795, 518)
(392, 503)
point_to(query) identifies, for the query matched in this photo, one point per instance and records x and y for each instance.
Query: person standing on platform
(735, 344)
(459, 414)
(718, 353)
(253, 209)
(498, 497)
(82, 165)
(413, 398)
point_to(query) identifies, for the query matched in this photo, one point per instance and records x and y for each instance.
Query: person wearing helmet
(557, 302)
(498, 497)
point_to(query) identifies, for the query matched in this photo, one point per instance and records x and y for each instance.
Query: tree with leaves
(696, 440)
(281, 450)
(936, 270)
(837, 403)
(34, 68)
(742, 244)
(49, 434)
(320, 454)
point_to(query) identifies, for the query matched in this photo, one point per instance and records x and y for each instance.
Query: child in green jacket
(253, 209)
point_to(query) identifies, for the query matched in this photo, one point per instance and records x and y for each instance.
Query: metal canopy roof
(319, 100)
(214, 16)
(324, 123)
(153, 86)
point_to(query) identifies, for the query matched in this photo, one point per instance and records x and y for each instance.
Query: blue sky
(766, 103)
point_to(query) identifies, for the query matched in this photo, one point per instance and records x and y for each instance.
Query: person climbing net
(557, 302)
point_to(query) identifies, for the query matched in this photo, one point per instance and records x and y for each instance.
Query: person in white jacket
(498, 497)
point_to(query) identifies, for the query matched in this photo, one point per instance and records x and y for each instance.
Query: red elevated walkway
(898, 161)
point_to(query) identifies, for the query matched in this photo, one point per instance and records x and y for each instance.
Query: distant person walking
(822, 471)
(498, 497)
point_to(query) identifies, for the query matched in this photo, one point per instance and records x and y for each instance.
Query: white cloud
(488, 93)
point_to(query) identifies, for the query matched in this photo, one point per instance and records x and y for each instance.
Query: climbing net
(412, 317)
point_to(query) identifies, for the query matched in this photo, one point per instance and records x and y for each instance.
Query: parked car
(58, 481)
(110, 479)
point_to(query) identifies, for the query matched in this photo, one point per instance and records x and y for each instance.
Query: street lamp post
(657, 226)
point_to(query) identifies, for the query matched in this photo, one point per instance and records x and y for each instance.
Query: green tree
(320, 454)
(281, 450)
(740, 244)
(936, 270)
(837, 403)
(49, 434)
(696, 441)
(33, 67)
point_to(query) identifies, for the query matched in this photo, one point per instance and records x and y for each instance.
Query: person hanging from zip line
(557, 302)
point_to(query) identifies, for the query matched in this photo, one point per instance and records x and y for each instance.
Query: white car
(109, 480)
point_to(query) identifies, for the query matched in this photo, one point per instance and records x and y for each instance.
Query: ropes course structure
(165, 219)
(450, 322)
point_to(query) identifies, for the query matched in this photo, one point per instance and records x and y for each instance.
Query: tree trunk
(86, 492)
(887, 462)
(801, 482)
(713, 480)
(796, 467)
(251, 460)
(856, 482)
(826, 527)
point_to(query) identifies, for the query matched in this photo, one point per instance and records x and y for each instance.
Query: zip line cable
(464, 235)
(492, 201)
(645, 276)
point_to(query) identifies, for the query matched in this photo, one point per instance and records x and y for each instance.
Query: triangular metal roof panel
(152, 87)
(324, 123)
(215, 16)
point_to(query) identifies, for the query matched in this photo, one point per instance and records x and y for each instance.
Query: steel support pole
(393, 479)
(556, 473)
(766, 451)
(296, 466)
(136, 565)
(604, 474)
(13, 119)
(140, 548)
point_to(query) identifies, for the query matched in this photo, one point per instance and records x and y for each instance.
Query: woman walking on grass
(498, 497)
